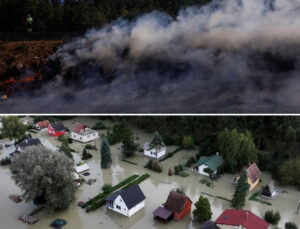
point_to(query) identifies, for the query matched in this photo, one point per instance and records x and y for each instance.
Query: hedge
(170, 154)
(130, 162)
(101, 202)
(103, 194)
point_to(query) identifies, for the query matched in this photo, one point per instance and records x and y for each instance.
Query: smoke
(229, 56)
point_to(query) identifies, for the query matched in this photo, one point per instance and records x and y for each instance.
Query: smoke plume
(230, 56)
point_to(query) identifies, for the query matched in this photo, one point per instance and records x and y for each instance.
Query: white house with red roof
(80, 132)
(240, 219)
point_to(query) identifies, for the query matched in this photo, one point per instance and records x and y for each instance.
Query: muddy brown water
(155, 188)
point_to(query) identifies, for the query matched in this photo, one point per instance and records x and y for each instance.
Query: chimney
(247, 214)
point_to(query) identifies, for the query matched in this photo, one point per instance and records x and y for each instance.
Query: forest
(79, 15)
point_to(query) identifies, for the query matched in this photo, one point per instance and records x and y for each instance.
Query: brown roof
(253, 172)
(77, 127)
(43, 124)
(176, 201)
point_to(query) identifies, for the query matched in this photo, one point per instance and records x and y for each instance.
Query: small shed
(27, 219)
(269, 191)
(56, 128)
(162, 214)
(82, 168)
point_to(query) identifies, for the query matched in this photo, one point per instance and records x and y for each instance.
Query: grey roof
(162, 213)
(29, 142)
(131, 196)
(209, 225)
(58, 126)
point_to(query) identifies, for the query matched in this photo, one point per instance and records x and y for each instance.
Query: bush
(88, 146)
(271, 217)
(180, 167)
(140, 149)
(5, 161)
(290, 225)
(176, 169)
(190, 161)
(63, 139)
(106, 188)
(70, 140)
(99, 126)
(86, 155)
(154, 165)
(188, 142)
(178, 140)
(67, 150)
(183, 174)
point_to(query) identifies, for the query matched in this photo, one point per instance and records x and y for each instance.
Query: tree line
(79, 15)
(270, 141)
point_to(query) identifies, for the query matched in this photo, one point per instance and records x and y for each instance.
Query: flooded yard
(156, 189)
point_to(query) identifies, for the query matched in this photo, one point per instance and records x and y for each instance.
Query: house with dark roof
(56, 128)
(236, 219)
(126, 201)
(80, 132)
(253, 174)
(177, 206)
(269, 191)
(24, 144)
(212, 162)
(209, 224)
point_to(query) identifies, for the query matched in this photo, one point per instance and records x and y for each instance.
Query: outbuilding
(80, 132)
(211, 162)
(56, 128)
(154, 152)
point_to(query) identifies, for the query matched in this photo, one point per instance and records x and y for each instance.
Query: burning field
(229, 56)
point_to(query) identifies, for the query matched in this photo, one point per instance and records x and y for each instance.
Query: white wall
(136, 208)
(123, 208)
(84, 138)
(201, 170)
(152, 153)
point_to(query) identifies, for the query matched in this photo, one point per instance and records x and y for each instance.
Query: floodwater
(155, 188)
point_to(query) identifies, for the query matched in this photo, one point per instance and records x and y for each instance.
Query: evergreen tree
(129, 147)
(241, 189)
(202, 210)
(105, 154)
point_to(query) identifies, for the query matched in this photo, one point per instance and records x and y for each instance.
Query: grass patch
(254, 196)
(32, 131)
(170, 154)
(103, 194)
(217, 197)
(184, 174)
(130, 162)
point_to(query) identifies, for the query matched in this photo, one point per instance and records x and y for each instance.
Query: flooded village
(156, 188)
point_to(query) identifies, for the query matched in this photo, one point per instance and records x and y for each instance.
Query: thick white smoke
(227, 56)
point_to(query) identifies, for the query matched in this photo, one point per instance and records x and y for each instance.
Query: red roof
(43, 124)
(176, 201)
(245, 218)
(78, 127)
(253, 172)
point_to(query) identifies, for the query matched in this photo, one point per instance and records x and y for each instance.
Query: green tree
(290, 225)
(129, 147)
(241, 189)
(105, 154)
(211, 175)
(45, 177)
(202, 210)
(272, 217)
(12, 128)
(188, 142)
(157, 141)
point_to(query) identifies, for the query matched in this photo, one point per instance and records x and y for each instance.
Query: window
(117, 206)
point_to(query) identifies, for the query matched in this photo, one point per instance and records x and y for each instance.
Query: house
(82, 168)
(127, 201)
(212, 162)
(42, 125)
(240, 219)
(176, 206)
(56, 128)
(154, 152)
(23, 145)
(269, 191)
(253, 174)
(80, 132)
(209, 224)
